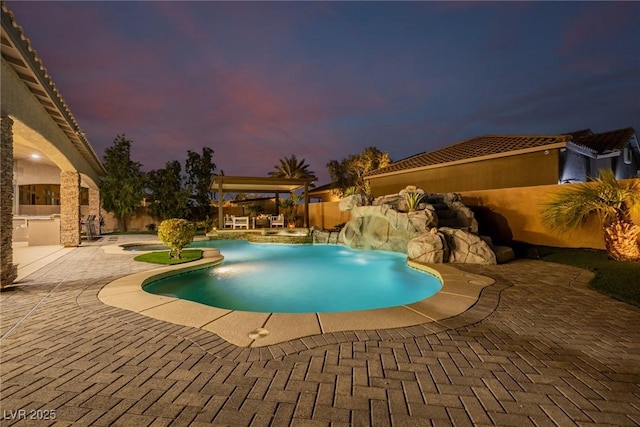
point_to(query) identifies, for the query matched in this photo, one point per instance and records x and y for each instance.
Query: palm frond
(605, 197)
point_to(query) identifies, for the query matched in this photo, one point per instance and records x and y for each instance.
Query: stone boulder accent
(464, 214)
(382, 227)
(396, 201)
(429, 248)
(466, 247)
(329, 237)
(386, 225)
(348, 203)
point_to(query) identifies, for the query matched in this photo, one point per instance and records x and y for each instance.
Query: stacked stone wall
(94, 207)
(70, 209)
(8, 271)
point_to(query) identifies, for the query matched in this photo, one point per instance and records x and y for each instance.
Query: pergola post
(306, 204)
(220, 204)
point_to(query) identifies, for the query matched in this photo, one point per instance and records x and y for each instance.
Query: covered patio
(246, 184)
(44, 152)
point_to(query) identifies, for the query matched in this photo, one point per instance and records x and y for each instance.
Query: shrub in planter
(176, 233)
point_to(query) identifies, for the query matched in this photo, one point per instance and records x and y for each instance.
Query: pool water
(300, 279)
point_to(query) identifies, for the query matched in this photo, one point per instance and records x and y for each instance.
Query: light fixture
(35, 156)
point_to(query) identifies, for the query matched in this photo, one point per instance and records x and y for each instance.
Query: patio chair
(89, 227)
(277, 221)
(241, 222)
(228, 221)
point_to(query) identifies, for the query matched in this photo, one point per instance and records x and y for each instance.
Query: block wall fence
(515, 214)
(507, 214)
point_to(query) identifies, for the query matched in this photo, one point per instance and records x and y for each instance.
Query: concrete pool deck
(537, 349)
(252, 329)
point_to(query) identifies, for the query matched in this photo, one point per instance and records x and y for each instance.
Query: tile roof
(580, 133)
(482, 146)
(605, 142)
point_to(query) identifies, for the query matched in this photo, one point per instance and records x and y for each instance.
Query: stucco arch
(35, 132)
(39, 137)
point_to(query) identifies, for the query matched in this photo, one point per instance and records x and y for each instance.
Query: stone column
(8, 271)
(70, 209)
(94, 207)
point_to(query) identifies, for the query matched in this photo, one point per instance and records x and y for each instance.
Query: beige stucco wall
(325, 196)
(517, 211)
(521, 170)
(326, 215)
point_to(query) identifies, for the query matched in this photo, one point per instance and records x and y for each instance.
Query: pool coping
(460, 291)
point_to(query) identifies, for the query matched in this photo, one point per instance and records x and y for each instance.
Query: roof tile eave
(605, 141)
(474, 149)
(46, 80)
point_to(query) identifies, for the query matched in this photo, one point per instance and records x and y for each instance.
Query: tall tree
(291, 167)
(200, 171)
(610, 200)
(348, 175)
(169, 198)
(121, 190)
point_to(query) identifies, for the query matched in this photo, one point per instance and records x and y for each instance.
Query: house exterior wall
(515, 214)
(522, 170)
(624, 170)
(575, 167)
(324, 196)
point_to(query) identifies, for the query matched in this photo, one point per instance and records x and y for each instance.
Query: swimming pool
(300, 279)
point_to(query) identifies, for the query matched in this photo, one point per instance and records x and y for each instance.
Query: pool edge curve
(459, 292)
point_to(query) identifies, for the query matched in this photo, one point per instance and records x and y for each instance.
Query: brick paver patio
(537, 349)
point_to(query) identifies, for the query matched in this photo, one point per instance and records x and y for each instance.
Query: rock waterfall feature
(432, 228)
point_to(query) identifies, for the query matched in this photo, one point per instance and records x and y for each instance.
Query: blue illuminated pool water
(300, 279)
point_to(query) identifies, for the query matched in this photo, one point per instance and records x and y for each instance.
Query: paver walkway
(538, 349)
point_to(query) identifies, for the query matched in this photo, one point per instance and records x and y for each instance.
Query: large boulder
(348, 203)
(429, 248)
(465, 215)
(393, 200)
(382, 227)
(466, 247)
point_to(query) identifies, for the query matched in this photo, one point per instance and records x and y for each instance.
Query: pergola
(249, 184)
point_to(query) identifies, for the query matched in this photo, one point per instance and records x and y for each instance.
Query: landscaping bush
(176, 233)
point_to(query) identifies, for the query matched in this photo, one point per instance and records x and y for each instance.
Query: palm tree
(292, 168)
(613, 201)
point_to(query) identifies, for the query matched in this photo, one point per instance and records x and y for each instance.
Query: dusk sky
(257, 82)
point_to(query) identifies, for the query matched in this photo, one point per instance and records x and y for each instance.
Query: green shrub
(413, 196)
(176, 233)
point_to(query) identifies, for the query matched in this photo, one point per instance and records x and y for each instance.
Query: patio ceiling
(251, 184)
(19, 55)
